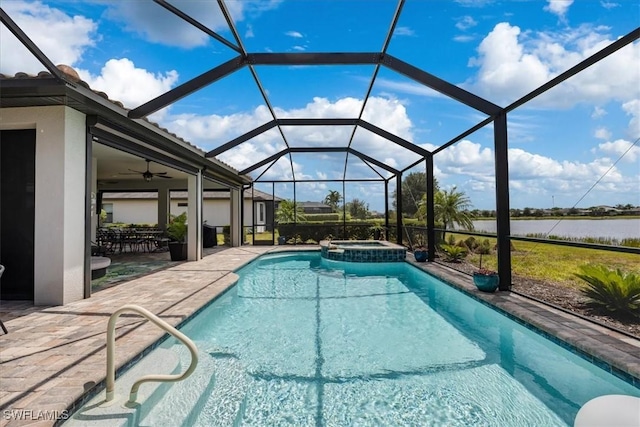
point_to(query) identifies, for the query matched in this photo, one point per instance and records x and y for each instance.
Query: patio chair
(4, 329)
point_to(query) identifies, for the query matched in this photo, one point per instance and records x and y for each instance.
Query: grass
(554, 263)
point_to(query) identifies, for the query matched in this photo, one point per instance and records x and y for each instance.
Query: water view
(611, 228)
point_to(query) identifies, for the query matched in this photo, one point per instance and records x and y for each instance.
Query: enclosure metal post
(253, 215)
(89, 210)
(431, 233)
(344, 211)
(502, 200)
(386, 210)
(273, 214)
(295, 215)
(399, 208)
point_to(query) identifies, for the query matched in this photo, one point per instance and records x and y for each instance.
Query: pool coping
(54, 357)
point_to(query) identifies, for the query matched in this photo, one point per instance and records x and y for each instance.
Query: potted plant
(177, 232)
(377, 230)
(420, 252)
(485, 280)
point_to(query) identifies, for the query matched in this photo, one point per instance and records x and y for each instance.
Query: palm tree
(333, 200)
(451, 207)
(289, 211)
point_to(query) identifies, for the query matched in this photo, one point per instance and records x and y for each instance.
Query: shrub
(614, 290)
(454, 253)
(471, 243)
(451, 239)
(483, 248)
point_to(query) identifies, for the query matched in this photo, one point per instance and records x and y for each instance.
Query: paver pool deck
(53, 355)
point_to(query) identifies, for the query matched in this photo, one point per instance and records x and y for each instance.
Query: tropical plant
(454, 253)
(614, 290)
(414, 189)
(358, 209)
(288, 211)
(333, 199)
(451, 207)
(177, 228)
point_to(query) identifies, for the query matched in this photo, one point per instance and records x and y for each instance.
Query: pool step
(95, 413)
(181, 403)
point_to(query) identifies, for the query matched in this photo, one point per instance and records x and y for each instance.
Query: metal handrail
(133, 394)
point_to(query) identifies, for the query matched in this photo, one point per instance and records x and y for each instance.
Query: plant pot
(486, 282)
(282, 240)
(178, 251)
(420, 256)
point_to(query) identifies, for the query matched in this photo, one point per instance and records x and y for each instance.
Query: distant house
(141, 207)
(315, 207)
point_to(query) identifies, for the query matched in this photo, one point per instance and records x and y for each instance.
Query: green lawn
(555, 263)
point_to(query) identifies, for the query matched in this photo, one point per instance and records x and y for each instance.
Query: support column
(235, 196)
(91, 216)
(431, 220)
(399, 208)
(194, 217)
(163, 208)
(502, 200)
(386, 210)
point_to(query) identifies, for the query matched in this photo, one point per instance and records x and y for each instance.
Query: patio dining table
(131, 239)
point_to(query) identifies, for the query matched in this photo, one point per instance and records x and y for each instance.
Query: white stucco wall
(134, 211)
(60, 199)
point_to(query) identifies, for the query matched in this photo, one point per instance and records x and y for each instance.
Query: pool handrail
(133, 394)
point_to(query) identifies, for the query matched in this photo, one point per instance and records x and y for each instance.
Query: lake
(612, 228)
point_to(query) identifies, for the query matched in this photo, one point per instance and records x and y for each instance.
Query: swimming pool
(305, 341)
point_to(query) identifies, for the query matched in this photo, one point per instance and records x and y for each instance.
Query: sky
(576, 145)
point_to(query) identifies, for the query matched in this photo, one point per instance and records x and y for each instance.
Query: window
(108, 208)
(261, 213)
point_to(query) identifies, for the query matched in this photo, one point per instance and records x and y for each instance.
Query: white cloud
(512, 63)
(598, 112)
(157, 25)
(294, 34)
(602, 133)
(466, 22)
(463, 38)
(61, 37)
(410, 88)
(213, 130)
(122, 81)
(249, 32)
(558, 7)
(609, 4)
(632, 108)
(299, 48)
(619, 147)
(404, 31)
(532, 174)
(474, 3)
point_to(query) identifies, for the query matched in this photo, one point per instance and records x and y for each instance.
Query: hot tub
(362, 251)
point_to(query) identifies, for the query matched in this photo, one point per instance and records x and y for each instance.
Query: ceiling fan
(147, 175)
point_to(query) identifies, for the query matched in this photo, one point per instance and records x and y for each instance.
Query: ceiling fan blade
(129, 173)
(159, 173)
(133, 170)
(163, 176)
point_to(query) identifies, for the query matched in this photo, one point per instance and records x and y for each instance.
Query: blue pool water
(303, 341)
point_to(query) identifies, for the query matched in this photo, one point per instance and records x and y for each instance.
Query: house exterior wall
(59, 199)
(217, 212)
(134, 211)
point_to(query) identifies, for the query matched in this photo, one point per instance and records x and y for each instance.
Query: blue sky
(560, 143)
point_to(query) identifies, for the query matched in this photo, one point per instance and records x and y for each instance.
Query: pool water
(302, 341)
